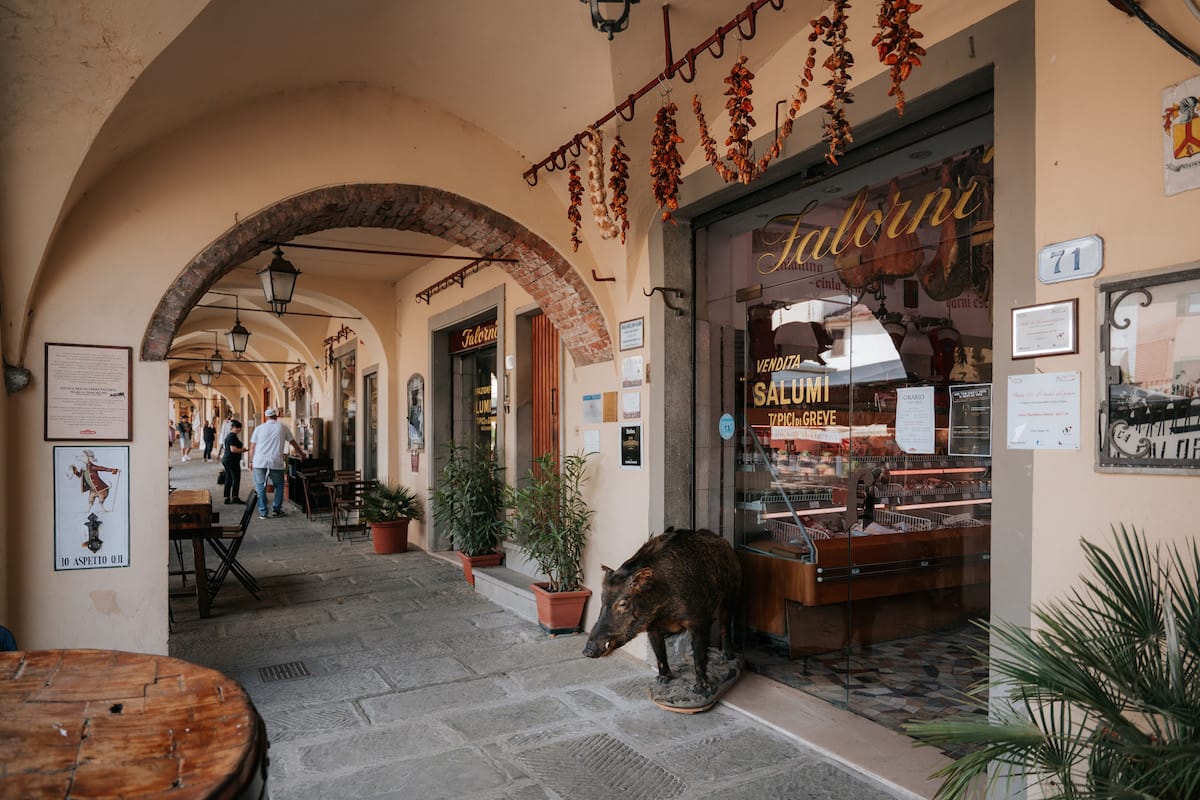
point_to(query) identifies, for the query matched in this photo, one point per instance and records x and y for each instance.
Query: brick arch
(539, 269)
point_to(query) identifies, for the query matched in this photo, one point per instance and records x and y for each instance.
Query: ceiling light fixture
(609, 25)
(215, 362)
(278, 282)
(206, 378)
(238, 337)
(190, 385)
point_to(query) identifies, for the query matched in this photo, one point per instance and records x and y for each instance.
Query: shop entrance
(852, 322)
(474, 384)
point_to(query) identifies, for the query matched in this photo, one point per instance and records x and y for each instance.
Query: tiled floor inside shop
(891, 683)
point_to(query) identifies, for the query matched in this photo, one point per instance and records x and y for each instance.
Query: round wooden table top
(106, 723)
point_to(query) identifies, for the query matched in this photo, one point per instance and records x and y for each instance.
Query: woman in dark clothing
(231, 460)
(209, 434)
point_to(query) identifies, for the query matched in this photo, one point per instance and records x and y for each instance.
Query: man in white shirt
(266, 457)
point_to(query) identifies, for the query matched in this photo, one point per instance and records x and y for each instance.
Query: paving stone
(653, 726)
(392, 652)
(590, 701)
(306, 723)
(811, 781)
(718, 757)
(396, 706)
(408, 673)
(377, 745)
(572, 673)
(600, 767)
(494, 721)
(363, 623)
(451, 775)
(321, 689)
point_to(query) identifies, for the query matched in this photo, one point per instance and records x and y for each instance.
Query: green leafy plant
(1104, 694)
(388, 502)
(551, 519)
(469, 497)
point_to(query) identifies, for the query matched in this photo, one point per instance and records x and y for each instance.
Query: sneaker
(279, 512)
(228, 502)
(262, 516)
(237, 501)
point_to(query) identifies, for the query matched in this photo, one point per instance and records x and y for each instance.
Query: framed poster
(970, 420)
(89, 393)
(91, 507)
(632, 333)
(631, 446)
(416, 413)
(1049, 329)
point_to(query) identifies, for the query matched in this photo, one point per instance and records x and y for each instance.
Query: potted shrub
(468, 500)
(389, 507)
(551, 519)
(1104, 695)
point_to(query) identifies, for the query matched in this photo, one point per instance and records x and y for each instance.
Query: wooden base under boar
(677, 694)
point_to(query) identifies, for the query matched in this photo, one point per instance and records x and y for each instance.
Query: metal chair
(226, 546)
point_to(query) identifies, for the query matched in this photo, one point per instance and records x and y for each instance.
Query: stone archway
(556, 287)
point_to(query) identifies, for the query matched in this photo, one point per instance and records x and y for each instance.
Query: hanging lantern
(238, 337)
(278, 282)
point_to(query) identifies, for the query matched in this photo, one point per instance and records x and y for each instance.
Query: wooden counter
(901, 582)
(112, 724)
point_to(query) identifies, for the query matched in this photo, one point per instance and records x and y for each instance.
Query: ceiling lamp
(206, 378)
(278, 282)
(238, 337)
(606, 24)
(215, 362)
(190, 384)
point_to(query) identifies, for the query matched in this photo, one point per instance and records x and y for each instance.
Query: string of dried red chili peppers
(739, 106)
(618, 182)
(832, 31)
(575, 190)
(896, 45)
(665, 162)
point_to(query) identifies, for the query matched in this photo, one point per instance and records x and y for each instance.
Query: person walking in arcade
(267, 459)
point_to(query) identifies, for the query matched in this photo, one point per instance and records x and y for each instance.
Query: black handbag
(221, 477)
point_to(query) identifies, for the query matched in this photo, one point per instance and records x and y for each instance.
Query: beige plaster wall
(1100, 76)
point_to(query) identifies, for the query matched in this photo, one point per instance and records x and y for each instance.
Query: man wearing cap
(266, 457)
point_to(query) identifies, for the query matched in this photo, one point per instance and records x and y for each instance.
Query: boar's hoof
(661, 679)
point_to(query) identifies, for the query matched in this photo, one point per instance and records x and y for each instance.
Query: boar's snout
(592, 649)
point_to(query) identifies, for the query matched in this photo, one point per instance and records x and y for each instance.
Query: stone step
(508, 589)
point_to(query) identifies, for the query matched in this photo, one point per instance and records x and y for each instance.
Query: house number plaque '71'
(1074, 258)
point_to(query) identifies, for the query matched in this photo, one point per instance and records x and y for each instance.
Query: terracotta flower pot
(560, 612)
(470, 562)
(390, 537)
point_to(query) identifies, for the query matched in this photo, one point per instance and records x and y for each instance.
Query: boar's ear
(607, 570)
(641, 580)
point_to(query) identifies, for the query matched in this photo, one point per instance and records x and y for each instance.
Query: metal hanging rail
(456, 278)
(558, 158)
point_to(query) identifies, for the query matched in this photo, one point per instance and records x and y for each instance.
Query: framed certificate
(632, 333)
(89, 393)
(1049, 329)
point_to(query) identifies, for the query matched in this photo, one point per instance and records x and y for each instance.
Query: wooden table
(111, 724)
(189, 515)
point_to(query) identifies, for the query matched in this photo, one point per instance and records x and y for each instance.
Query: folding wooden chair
(227, 545)
(348, 512)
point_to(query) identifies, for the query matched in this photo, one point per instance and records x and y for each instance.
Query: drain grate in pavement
(600, 767)
(283, 672)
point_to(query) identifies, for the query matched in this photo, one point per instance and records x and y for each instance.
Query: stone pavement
(387, 676)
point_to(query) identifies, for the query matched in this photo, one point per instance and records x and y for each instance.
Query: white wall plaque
(1069, 260)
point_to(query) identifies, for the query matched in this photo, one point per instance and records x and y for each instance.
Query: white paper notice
(1043, 411)
(914, 419)
(591, 441)
(593, 405)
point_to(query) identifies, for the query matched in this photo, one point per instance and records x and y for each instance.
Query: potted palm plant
(389, 507)
(550, 518)
(1103, 695)
(468, 500)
